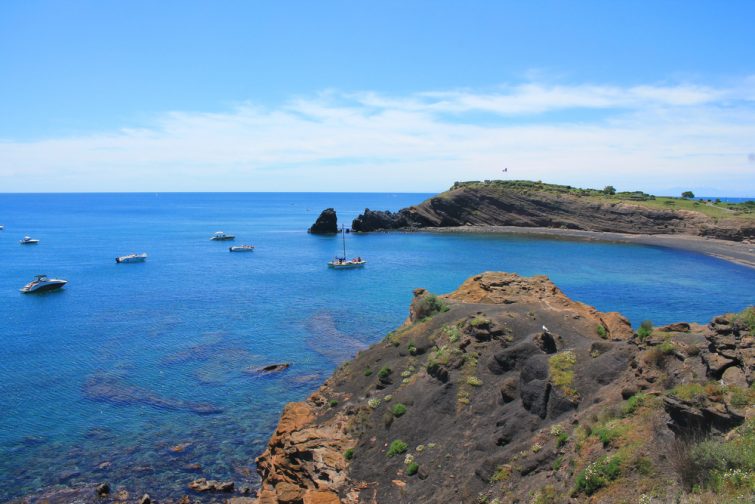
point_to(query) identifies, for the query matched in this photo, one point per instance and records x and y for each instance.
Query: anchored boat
(242, 248)
(342, 262)
(42, 283)
(27, 240)
(221, 236)
(131, 258)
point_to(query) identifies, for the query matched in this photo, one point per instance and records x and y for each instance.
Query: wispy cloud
(650, 137)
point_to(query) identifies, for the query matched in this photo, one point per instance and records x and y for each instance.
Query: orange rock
(320, 497)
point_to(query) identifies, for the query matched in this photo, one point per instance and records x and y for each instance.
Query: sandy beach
(736, 252)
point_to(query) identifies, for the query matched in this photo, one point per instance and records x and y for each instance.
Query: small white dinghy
(27, 240)
(241, 248)
(42, 283)
(221, 236)
(131, 258)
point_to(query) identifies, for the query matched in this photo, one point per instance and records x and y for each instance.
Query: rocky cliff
(506, 390)
(529, 204)
(326, 223)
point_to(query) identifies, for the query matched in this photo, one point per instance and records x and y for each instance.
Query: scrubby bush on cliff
(398, 409)
(746, 318)
(429, 305)
(397, 447)
(601, 330)
(561, 368)
(411, 469)
(645, 330)
(598, 474)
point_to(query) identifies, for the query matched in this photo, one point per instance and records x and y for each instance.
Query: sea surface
(137, 374)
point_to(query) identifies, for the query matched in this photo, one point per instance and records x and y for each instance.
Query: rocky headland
(506, 390)
(326, 223)
(526, 204)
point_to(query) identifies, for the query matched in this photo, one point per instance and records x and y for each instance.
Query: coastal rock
(326, 223)
(268, 369)
(531, 204)
(205, 485)
(510, 373)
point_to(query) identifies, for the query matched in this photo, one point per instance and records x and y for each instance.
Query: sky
(388, 96)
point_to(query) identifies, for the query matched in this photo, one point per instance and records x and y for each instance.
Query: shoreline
(735, 252)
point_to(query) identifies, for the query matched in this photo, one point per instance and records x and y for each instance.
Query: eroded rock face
(326, 223)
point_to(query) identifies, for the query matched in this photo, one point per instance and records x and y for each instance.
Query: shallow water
(99, 381)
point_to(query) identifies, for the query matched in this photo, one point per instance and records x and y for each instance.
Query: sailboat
(342, 262)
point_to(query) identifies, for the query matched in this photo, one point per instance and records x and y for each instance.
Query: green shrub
(398, 409)
(598, 474)
(690, 392)
(474, 381)
(479, 321)
(667, 347)
(384, 372)
(502, 473)
(746, 318)
(428, 306)
(412, 349)
(634, 402)
(397, 447)
(349, 454)
(741, 396)
(556, 465)
(601, 330)
(645, 330)
(374, 403)
(606, 434)
(412, 468)
(562, 439)
(333, 403)
(367, 372)
(561, 367)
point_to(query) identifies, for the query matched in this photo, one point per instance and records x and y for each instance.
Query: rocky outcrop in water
(326, 223)
(502, 204)
(508, 390)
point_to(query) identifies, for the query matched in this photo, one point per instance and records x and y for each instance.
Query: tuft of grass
(690, 392)
(561, 367)
(452, 332)
(333, 403)
(429, 305)
(645, 330)
(746, 318)
(479, 321)
(502, 473)
(384, 372)
(474, 381)
(598, 474)
(602, 331)
(367, 372)
(349, 454)
(607, 434)
(633, 403)
(398, 409)
(373, 403)
(397, 447)
(412, 468)
(667, 347)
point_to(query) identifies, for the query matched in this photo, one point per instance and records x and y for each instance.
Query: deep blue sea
(99, 381)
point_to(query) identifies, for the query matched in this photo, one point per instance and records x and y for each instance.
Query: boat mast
(343, 234)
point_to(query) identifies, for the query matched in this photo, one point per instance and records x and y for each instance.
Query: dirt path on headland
(736, 252)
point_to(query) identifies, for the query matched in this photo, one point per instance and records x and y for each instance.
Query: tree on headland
(688, 195)
(609, 190)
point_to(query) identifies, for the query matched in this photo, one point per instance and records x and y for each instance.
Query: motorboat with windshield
(42, 283)
(131, 258)
(28, 240)
(221, 236)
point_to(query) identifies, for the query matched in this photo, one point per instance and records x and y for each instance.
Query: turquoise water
(100, 380)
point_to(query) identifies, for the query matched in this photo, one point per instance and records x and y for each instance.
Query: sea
(142, 375)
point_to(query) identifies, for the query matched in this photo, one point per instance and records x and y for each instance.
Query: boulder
(326, 223)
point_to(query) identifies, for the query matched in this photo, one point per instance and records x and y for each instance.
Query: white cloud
(647, 137)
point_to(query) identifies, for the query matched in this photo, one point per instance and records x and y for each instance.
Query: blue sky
(384, 96)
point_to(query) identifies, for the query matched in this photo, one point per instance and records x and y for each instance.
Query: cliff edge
(506, 390)
(534, 204)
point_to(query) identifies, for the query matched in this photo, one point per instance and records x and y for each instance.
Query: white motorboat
(42, 283)
(221, 236)
(242, 248)
(27, 240)
(342, 262)
(2, 228)
(132, 258)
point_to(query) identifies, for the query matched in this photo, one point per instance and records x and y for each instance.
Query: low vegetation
(397, 447)
(598, 474)
(561, 367)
